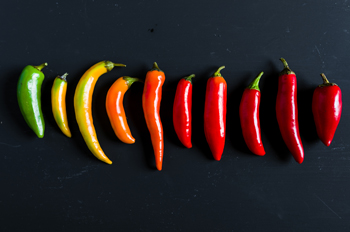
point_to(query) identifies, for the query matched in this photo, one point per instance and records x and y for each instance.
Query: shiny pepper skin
(82, 106)
(182, 111)
(58, 103)
(326, 108)
(115, 108)
(151, 99)
(287, 112)
(249, 116)
(29, 97)
(215, 113)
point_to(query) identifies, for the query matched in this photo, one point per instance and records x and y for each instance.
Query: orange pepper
(82, 106)
(58, 102)
(115, 108)
(151, 98)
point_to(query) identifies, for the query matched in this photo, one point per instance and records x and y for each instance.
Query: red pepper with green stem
(287, 112)
(326, 108)
(215, 113)
(249, 117)
(182, 111)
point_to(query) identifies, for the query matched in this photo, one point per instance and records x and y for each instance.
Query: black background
(56, 184)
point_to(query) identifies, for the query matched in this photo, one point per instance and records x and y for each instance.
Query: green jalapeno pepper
(29, 97)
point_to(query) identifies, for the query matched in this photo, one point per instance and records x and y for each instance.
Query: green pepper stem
(131, 80)
(324, 78)
(255, 83)
(39, 67)
(285, 64)
(110, 65)
(64, 76)
(286, 70)
(189, 78)
(217, 73)
(155, 67)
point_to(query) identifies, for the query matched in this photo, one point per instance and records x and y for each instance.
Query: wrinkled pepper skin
(151, 99)
(182, 111)
(58, 103)
(215, 113)
(82, 106)
(29, 97)
(327, 107)
(249, 114)
(115, 109)
(287, 112)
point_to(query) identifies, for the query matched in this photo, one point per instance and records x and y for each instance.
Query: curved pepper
(182, 111)
(326, 108)
(151, 98)
(115, 108)
(249, 117)
(82, 106)
(29, 97)
(287, 112)
(215, 113)
(58, 102)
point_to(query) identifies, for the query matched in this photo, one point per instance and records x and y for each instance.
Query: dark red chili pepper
(326, 108)
(249, 117)
(215, 113)
(182, 111)
(287, 112)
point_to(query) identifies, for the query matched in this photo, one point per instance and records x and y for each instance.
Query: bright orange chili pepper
(115, 108)
(58, 102)
(82, 106)
(151, 98)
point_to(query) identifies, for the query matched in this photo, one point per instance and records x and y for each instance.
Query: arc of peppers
(82, 106)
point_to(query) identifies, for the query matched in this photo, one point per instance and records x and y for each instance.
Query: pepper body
(82, 107)
(182, 111)
(327, 107)
(29, 97)
(215, 114)
(287, 112)
(151, 99)
(115, 108)
(58, 103)
(249, 113)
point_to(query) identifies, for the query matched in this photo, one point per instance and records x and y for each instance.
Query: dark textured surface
(55, 184)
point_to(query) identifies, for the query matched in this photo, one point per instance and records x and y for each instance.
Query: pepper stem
(189, 78)
(131, 80)
(64, 76)
(255, 83)
(217, 73)
(325, 80)
(286, 69)
(285, 64)
(39, 67)
(155, 67)
(110, 65)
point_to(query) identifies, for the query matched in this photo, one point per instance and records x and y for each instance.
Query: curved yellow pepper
(82, 106)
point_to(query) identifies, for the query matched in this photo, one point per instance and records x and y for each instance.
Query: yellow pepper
(82, 106)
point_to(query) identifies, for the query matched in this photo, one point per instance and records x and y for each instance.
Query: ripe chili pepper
(151, 98)
(115, 108)
(287, 112)
(82, 106)
(249, 117)
(182, 111)
(215, 113)
(58, 102)
(327, 108)
(29, 97)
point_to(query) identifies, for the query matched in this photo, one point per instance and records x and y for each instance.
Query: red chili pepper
(182, 111)
(287, 112)
(249, 117)
(326, 108)
(215, 113)
(151, 98)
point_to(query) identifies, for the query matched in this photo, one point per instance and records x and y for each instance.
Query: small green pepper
(29, 97)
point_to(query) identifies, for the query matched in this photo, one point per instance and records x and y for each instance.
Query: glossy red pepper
(327, 108)
(287, 112)
(249, 117)
(215, 113)
(151, 99)
(182, 111)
